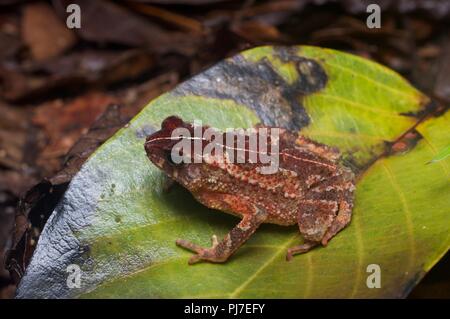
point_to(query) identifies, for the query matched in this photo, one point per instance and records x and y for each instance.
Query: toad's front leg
(220, 251)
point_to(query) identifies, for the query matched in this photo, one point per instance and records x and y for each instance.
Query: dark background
(63, 92)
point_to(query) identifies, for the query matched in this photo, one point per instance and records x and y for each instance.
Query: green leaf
(116, 222)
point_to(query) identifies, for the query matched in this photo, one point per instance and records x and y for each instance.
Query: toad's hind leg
(252, 217)
(343, 218)
(314, 220)
(221, 251)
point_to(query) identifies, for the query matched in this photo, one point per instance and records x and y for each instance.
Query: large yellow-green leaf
(116, 222)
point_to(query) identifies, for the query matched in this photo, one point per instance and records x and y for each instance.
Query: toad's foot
(208, 254)
(300, 249)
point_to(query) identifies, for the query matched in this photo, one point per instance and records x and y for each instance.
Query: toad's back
(307, 171)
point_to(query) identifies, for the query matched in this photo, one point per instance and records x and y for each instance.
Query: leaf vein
(241, 287)
(384, 86)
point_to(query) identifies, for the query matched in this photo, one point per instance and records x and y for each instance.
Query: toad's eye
(171, 161)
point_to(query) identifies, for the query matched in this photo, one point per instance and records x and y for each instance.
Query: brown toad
(309, 187)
